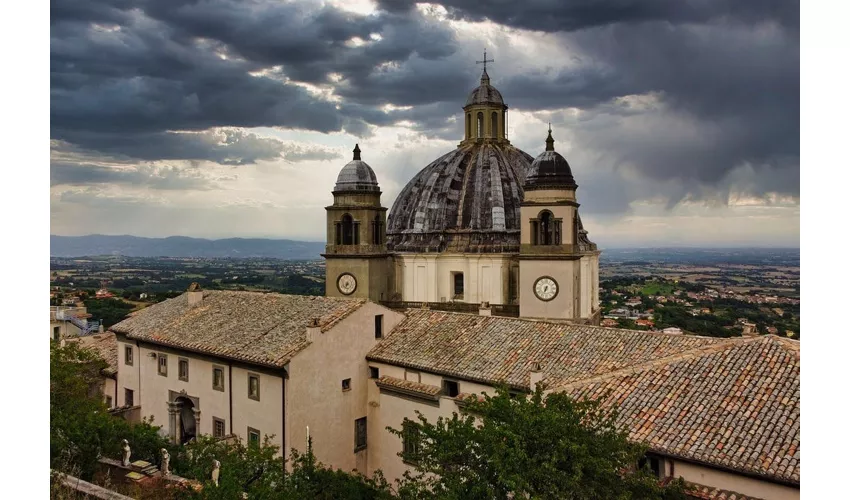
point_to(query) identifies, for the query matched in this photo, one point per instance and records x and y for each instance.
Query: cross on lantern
(485, 61)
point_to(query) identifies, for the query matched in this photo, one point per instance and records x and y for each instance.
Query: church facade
(484, 223)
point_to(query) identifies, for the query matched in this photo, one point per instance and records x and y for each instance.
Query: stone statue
(166, 458)
(125, 456)
(215, 471)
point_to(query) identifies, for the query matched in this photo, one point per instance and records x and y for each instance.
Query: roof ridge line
(578, 325)
(690, 353)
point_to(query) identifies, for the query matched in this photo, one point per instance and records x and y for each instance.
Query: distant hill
(182, 246)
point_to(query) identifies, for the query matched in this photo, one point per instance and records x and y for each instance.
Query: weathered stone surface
(467, 200)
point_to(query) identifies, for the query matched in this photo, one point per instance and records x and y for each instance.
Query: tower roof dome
(485, 93)
(550, 170)
(357, 175)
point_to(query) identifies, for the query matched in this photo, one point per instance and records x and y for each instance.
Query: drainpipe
(230, 391)
(283, 450)
(139, 364)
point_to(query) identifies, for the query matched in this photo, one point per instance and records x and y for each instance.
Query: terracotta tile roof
(491, 349)
(261, 328)
(701, 492)
(735, 405)
(431, 391)
(105, 345)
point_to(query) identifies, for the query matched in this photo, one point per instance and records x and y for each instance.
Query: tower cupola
(550, 170)
(357, 176)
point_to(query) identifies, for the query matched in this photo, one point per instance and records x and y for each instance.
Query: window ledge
(359, 448)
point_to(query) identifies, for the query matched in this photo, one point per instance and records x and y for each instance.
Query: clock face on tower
(546, 288)
(346, 283)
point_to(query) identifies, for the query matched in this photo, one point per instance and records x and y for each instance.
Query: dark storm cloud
(161, 70)
(727, 71)
(558, 15)
(227, 146)
(83, 174)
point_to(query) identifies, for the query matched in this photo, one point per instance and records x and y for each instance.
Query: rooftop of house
(105, 345)
(492, 349)
(735, 404)
(262, 328)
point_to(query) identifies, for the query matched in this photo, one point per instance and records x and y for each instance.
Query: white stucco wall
(264, 415)
(733, 482)
(128, 375)
(428, 277)
(314, 394)
(154, 396)
(386, 410)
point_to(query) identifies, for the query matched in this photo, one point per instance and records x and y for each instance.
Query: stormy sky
(228, 118)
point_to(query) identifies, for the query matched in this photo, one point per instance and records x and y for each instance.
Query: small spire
(550, 142)
(357, 151)
(485, 78)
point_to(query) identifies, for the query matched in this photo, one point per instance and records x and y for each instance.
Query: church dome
(465, 201)
(357, 175)
(485, 93)
(550, 170)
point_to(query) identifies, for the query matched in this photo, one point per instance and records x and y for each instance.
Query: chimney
(195, 294)
(313, 329)
(535, 376)
(484, 309)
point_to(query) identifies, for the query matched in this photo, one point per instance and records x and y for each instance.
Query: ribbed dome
(465, 201)
(550, 170)
(357, 175)
(485, 93)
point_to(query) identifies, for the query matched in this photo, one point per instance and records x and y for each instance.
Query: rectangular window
(654, 464)
(254, 386)
(346, 384)
(458, 285)
(128, 397)
(379, 326)
(373, 372)
(410, 441)
(218, 378)
(253, 436)
(128, 355)
(109, 401)
(360, 434)
(183, 369)
(218, 427)
(162, 364)
(55, 333)
(450, 388)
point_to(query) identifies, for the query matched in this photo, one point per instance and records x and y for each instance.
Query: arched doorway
(186, 424)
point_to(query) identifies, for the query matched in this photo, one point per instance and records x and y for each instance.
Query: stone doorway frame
(174, 409)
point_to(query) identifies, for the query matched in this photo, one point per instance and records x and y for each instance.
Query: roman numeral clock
(546, 288)
(346, 283)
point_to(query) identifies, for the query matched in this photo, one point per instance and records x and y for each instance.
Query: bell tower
(558, 264)
(357, 262)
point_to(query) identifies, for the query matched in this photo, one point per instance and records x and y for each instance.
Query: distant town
(702, 292)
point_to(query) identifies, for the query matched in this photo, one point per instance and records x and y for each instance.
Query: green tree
(258, 470)
(538, 447)
(81, 428)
